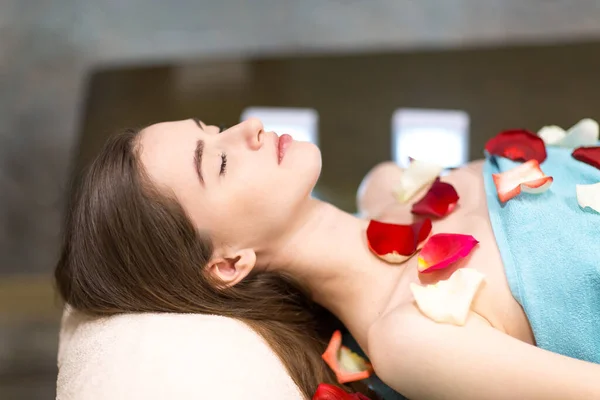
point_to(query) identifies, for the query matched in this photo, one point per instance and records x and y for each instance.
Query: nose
(252, 131)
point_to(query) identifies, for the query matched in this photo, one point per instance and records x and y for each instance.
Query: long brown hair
(129, 247)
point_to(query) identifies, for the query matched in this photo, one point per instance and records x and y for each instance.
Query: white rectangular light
(438, 136)
(301, 123)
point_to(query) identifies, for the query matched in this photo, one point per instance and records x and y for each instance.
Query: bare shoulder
(404, 326)
(423, 359)
(395, 344)
(405, 348)
(475, 166)
(402, 336)
(375, 192)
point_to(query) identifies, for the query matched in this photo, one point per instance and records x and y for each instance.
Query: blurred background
(367, 80)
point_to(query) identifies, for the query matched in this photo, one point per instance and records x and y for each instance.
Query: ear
(232, 268)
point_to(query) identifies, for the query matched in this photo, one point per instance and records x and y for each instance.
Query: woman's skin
(260, 215)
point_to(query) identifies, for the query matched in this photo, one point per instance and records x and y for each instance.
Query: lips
(282, 143)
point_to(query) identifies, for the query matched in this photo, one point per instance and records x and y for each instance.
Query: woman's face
(236, 185)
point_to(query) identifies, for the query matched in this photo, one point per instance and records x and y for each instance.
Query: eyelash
(223, 163)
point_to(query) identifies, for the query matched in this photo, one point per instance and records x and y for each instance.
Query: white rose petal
(416, 177)
(589, 196)
(552, 134)
(449, 301)
(583, 133)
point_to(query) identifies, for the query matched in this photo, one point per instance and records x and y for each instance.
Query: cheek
(249, 219)
(261, 201)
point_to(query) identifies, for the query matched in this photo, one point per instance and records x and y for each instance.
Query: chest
(494, 302)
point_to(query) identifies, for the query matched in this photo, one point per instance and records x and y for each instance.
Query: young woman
(182, 217)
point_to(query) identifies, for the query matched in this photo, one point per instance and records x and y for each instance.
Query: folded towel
(550, 248)
(167, 356)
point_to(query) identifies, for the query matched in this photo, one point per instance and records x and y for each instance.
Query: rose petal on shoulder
(418, 175)
(439, 201)
(395, 243)
(449, 301)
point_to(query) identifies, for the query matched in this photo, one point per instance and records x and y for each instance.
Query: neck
(327, 252)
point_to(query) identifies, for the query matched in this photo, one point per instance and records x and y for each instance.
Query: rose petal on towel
(396, 243)
(347, 365)
(443, 250)
(326, 391)
(551, 134)
(589, 196)
(439, 201)
(517, 145)
(449, 301)
(414, 178)
(583, 133)
(588, 155)
(527, 177)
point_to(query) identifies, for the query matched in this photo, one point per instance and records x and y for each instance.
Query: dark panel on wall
(355, 96)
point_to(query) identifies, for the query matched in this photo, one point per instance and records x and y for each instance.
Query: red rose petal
(527, 177)
(332, 358)
(396, 243)
(439, 201)
(443, 250)
(517, 145)
(588, 155)
(329, 392)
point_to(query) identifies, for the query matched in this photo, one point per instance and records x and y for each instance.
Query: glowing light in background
(301, 123)
(438, 136)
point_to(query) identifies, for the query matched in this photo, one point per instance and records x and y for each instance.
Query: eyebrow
(198, 153)
(198, 159)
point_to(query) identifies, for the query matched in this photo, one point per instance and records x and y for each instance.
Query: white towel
(167, 356)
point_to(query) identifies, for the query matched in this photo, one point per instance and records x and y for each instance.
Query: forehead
(167, 152)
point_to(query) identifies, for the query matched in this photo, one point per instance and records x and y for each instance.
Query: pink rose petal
(443, 250)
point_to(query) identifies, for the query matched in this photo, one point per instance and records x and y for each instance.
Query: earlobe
(232, 268)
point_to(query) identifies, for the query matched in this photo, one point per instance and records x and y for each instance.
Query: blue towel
(550, 248)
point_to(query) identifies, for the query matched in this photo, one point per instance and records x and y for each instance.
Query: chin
(313, 161)
(306, 165)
